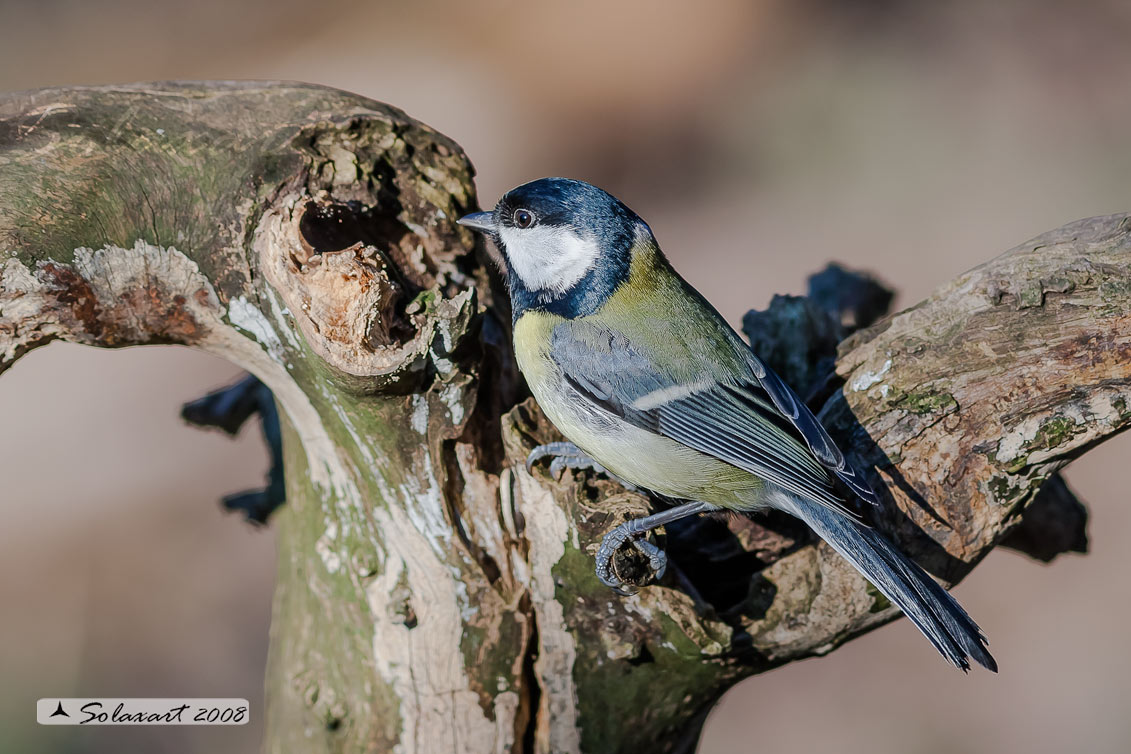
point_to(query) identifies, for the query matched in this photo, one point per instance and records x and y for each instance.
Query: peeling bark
(433, 596)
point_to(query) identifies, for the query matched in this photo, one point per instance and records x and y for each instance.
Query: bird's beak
(484, 222)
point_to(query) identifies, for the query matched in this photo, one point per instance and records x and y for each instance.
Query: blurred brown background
(760, 140)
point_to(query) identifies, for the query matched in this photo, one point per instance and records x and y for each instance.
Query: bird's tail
(941, 619)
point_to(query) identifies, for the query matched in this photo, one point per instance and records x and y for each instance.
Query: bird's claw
(556, 450)
(613, 541)
(566, 455)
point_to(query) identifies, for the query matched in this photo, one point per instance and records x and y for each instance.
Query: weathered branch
(432, 595)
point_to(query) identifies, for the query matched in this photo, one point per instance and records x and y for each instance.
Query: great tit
(648, 381)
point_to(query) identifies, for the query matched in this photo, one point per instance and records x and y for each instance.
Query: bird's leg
(632, 532)
(566, 455)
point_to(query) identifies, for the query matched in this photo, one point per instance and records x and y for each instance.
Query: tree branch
(433, 595)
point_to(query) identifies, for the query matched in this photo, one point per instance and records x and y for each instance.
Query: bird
(650, 384)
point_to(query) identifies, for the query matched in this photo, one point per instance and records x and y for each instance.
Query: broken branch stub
(432, 595)
(359, 285)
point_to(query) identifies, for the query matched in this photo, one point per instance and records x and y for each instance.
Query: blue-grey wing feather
(815, 435)
(746, 433)
(740, 422)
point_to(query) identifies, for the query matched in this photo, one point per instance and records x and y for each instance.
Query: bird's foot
(657, 559)
(633, 532)
(566, 455)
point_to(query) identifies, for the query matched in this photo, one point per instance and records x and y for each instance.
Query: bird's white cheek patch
(549, 258)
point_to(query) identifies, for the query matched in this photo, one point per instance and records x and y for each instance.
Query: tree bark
(432, 595)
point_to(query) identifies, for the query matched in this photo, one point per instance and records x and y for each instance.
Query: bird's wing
(814, 434)
(738, 421)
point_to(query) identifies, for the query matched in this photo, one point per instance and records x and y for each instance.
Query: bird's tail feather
(930, 607)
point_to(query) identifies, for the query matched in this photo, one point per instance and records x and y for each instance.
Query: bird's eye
(523, 218)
